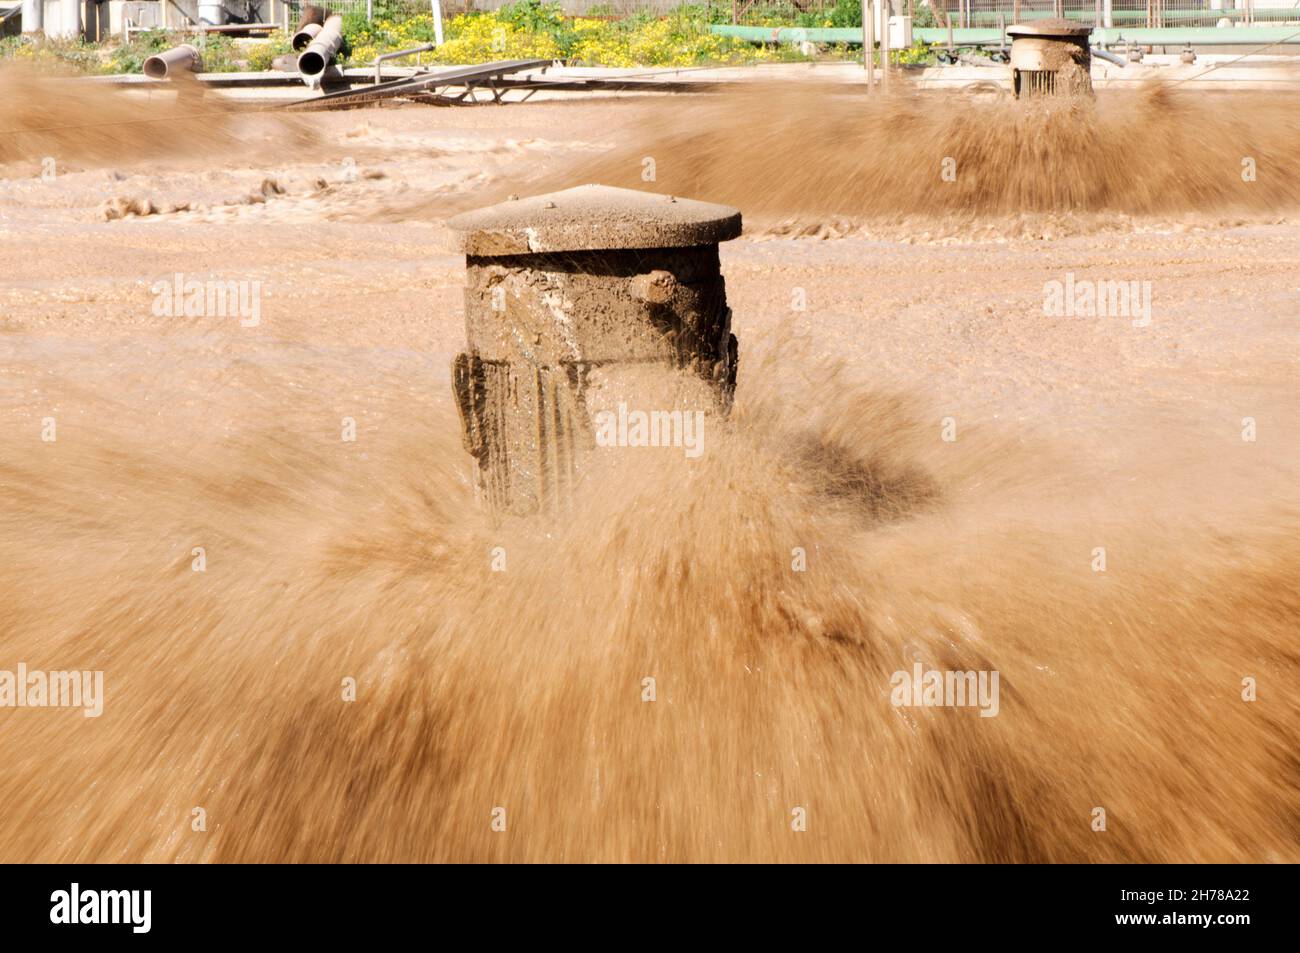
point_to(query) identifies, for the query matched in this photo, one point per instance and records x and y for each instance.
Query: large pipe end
(321, 51)
(311, 64)
(306, 33)
(176, 60)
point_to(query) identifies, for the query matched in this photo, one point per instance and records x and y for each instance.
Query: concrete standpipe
(578, 302)
(1050, 57)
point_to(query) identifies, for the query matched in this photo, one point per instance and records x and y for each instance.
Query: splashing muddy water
(778, 151)
(84, 122)
(524, 689)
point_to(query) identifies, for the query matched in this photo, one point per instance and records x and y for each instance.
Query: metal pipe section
(306, 33)
(1109, 57)
(398, 54)
(313, 18)
(321, 51)
(178, 60)
(436, 8)
(313, 14)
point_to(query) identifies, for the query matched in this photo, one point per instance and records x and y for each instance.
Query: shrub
(261, 56)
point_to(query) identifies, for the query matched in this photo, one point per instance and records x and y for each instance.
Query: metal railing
(1124, 13)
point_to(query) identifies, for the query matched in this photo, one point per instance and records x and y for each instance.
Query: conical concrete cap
(591, 218)
(1050, 28)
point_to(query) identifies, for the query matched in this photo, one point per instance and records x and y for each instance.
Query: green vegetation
(525, 29)
(220, 53)
(532, 29)
(261, 56)
(56, 56)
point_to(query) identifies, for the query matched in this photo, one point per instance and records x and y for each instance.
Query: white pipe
(436, 7)
(70, 14)
(33, 16)
(212, 13)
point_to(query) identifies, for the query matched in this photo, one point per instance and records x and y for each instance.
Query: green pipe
(1140, 16)
(791, 34)
(1167, 36)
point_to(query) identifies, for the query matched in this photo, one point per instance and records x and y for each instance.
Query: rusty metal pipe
(306, 33)
(178, 60)
(321, 51)
(312, 14)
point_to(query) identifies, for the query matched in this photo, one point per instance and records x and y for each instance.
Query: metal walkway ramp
(431, 87)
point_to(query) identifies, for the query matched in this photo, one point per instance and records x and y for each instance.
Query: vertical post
(1096, 14)
(1015, 11)
(1108, 13)
(436, 6)
(869, 41)
(370, 11)
(886, 8)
